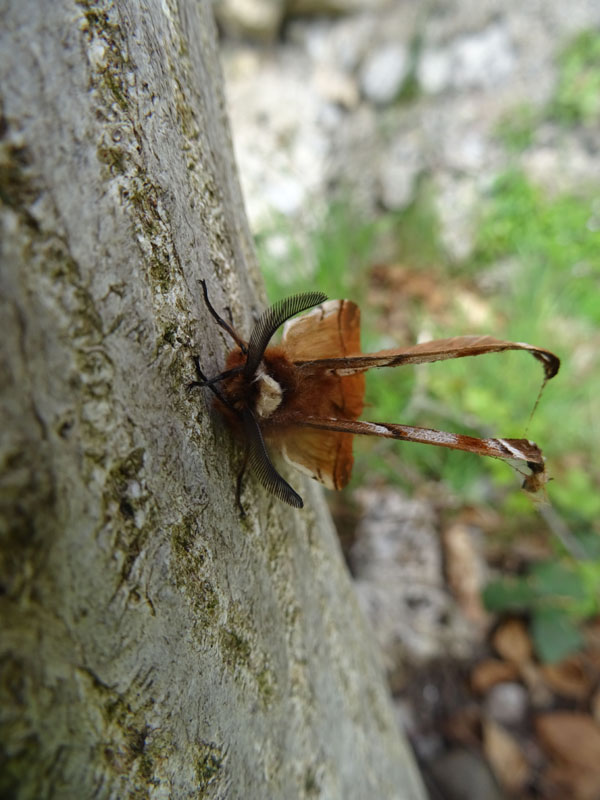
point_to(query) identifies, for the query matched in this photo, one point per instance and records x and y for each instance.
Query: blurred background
(439, 163)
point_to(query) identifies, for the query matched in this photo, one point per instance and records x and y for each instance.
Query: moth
(304, 396)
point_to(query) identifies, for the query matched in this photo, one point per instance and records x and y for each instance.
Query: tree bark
(154, 644)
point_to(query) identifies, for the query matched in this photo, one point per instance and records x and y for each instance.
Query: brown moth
(304, 396)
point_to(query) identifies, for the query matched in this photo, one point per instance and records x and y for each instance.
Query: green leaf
(555, 635)
(556, 579)
(590, 579)
(590, 544)
(510, 594)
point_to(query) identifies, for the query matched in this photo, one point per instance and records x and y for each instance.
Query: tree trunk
(154, 644)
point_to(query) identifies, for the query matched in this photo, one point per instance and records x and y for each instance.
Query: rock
(463, 775)
(481, 60)
(278, 138)
(457, 203)
(434, 70)
(285, 194)
(342, 43)
(384, 72)
(350, 40)
(397, 564)
(317, 7)
(399, 171)
(506, 703)
(560, 161)
(336, 86)
(250, 19)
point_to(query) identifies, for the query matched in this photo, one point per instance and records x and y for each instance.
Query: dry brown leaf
(571, 738)
(397, 280)
(568, 678)
(512, 642)
(539, 693)
(487, 519)
(399, 277)
(561, 782)
(505, 756)
(592, 649)
(595, 706)
(490, 672)
(592, 635)
(464, 570)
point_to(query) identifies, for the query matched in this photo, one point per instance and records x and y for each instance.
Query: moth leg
(229, 314)
(240, 478)
(201, 376)
(220, 321)
(204, 381)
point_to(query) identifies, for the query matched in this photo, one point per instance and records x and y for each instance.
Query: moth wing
(331, 330)
(325, 456)
(475, 345)
(438, 350)
(517, 451)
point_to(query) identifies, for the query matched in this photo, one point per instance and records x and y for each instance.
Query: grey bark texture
(154, 644)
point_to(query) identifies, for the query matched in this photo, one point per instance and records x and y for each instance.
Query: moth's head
(238, 388)
(263, 390)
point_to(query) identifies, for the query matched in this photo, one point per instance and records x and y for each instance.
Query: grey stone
(506, 703)
(252, 19)
(457, 200)
(434, 70)
(384, 72)
(318, 7)
(399, 170)
(464, 775)
(399, 580)
(482, 60)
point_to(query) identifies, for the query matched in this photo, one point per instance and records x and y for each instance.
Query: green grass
(557, 240)
(577, 96)
(331, 259)
(516, 129)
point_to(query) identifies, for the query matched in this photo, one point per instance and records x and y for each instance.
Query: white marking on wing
(514, 450)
